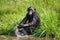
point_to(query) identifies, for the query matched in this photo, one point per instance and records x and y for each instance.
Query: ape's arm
(33, 22)
(30, 24)
(23, 21)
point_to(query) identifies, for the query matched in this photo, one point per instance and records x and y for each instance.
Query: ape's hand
(24, 25)
(20, 26)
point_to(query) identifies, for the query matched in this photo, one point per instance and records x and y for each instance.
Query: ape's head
(31, 10)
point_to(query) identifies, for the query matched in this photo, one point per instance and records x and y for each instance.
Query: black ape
(33, 21)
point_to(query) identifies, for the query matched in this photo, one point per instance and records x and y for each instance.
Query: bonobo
(29, 23)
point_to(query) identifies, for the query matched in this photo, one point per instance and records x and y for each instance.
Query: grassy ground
(13, 11)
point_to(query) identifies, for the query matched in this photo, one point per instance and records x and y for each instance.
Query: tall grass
(13, 11)
(48, 24)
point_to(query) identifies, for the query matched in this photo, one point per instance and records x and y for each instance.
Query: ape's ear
(34, 9)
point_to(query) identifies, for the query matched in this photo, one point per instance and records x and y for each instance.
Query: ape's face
(30, 12)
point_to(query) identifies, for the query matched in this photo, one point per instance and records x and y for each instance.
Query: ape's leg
(17, 32)
(23, 31)
(20, 32)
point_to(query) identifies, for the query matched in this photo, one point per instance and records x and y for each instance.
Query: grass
(13, 11)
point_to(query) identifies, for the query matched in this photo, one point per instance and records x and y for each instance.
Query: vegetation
(13, 11)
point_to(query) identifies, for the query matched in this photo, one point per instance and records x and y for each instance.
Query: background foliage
(13, 11)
